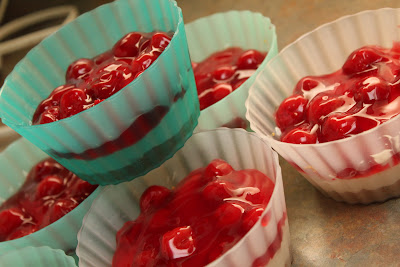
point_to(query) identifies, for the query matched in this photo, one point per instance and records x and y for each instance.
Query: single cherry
(51, 185)
(79, 69)
(73, 102)
(217, 168)
(10, 219)
(322, 105)
(306, 84)
(62, 207)
(128, 46)
(223, 73)
(300, 135)
(291, 111)
(338, 126)
(228, 214)
(160, 40)
(154, 196)
(361, 60)
(250, 59)
(178, 243)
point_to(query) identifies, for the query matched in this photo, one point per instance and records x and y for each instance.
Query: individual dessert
(205, 215)
(217, 202)
(360, 96)
(339, 126)
(217, 42)
(103, 133)
(223, 72)
(90, 81)
(49, 192)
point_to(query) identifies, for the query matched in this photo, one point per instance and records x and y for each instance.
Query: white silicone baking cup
(15, 163)
(323, 51)
(244, 29)
(118, 204)
(37, 257)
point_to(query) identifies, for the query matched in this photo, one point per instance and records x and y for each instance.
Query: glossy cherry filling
(90, 81)
(223, 72)
(205, 215)
(360, 96)
(49, 192)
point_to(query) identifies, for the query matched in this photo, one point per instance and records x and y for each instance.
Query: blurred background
(292, 18)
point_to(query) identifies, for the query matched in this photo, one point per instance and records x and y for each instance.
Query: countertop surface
(323, 231)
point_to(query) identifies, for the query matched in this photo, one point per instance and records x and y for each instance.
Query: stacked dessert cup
(243, 29)
(96, 143)
(16, 161)
(362, 168)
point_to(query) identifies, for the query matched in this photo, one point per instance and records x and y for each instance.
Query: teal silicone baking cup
(108, 144)
(36, 256)
(244, 29)
(15, 162)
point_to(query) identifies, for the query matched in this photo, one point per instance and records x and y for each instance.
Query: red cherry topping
(153, 197)
(160, 40)
(146, 60)
(223, 73)
(89, 81)
(62, 207)
(49, 115)
(49, 192)
(22, 231)
(322, 105)
(216, 191)
(128, 46)
(107, 84)
(300, 135)
(228, 214)
(51, 185)
(250, 59)
(79, 69)
(178, 243)
(354, 99)
(362, 60)
(10, 219)
(194, 224)
(104, 57)
(73, 102)
(306, 84)
(373, 89)
(218, 168)
(338, 126)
